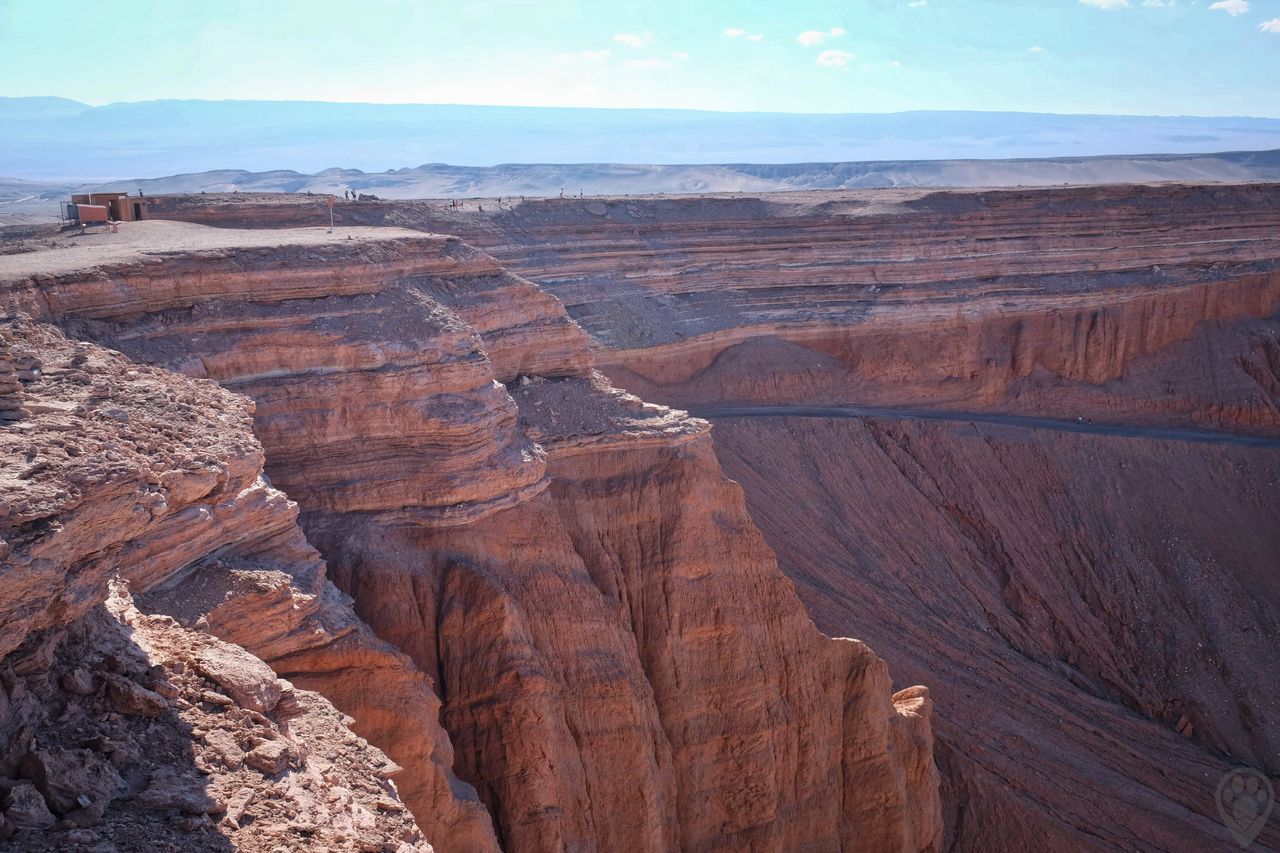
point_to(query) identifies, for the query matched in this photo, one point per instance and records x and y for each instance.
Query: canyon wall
(123, 727)
(1063, 518)
(615, 659)
(1138, 304)
(1094, 610)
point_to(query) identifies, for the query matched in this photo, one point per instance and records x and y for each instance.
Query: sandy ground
(73, 251)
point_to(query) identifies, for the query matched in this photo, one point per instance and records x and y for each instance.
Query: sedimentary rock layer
(1133, 305)
(620, 663)
(1093, 606)
(1035, 301)
(1096, 610)
(116, 724)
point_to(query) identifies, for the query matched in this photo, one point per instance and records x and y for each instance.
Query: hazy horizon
(1075, 57)
(47, 138)
(126, 102)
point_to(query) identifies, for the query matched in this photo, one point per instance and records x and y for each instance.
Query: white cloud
(658, 62)
(1234, 8)
(834, 58)
(1107, 4)
(893, 63)
(1035, 49)
(755, 37)
(584, 55)
(809, 38)
(734, 32)
(916, 4)
(1159, 4)
(1271, 26)
(634, 39)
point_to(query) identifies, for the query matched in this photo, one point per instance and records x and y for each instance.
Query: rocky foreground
(1063, 516)
(341, 542)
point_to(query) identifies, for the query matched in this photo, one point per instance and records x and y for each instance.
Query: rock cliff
(572, 608)
(1062, 516)
(1098, 606)
(1142, 304)
(122, 728)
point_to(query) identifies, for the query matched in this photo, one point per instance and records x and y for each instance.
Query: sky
(1144, 57)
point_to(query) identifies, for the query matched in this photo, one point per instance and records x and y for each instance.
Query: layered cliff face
(122, 728)
(615, 657)
(1050, 502)
(1095, 602)
(1100, 608)
(1142, 304)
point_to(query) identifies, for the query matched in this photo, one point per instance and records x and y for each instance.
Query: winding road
(1019, 421)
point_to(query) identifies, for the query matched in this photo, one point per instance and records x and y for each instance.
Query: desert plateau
(394, 471)
(640, 427)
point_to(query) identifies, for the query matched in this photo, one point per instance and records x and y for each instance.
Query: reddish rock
(247, 681)
(129, 697)
(223, 744)
(79, 681)
(154, 498)
(71, 779)
(170, 788)
(621, 664)
(269, 758)
(1090, 612)
(25, 808)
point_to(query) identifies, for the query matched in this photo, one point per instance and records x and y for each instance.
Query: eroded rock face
(183, 775)
(1145, 304)
(1094, 610)
(620, 663)
(1050, 581)
(126, 729)
(115, 455)
(1124, 598)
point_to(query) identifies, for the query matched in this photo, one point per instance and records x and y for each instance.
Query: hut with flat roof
(121, 207)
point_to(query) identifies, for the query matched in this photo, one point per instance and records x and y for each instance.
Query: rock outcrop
(1100, 609)
(119, 728)
(1141, 304)
(1118, 587)
(1094, 609)
(619, 665)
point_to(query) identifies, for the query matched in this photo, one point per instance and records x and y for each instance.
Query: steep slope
(620, 663)
(1099, 608)
(1096, 605)
(1140, 303)
(1055, 581)
(126, 729)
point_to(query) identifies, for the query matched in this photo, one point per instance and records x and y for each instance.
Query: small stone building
(121, 207)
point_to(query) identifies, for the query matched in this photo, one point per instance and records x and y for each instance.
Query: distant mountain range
(50, 146)
(33, 202)
(55, 139)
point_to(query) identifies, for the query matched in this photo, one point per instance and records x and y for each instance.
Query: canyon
(1023, 444)
(376, 468)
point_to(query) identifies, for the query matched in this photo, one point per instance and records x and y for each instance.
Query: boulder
(246, 679)
(129, 697)
(24, 808)
(171, 788)
(78, 681)
(71, 779)
(269, 758)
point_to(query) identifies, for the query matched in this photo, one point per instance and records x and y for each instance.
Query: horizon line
(91, 105)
